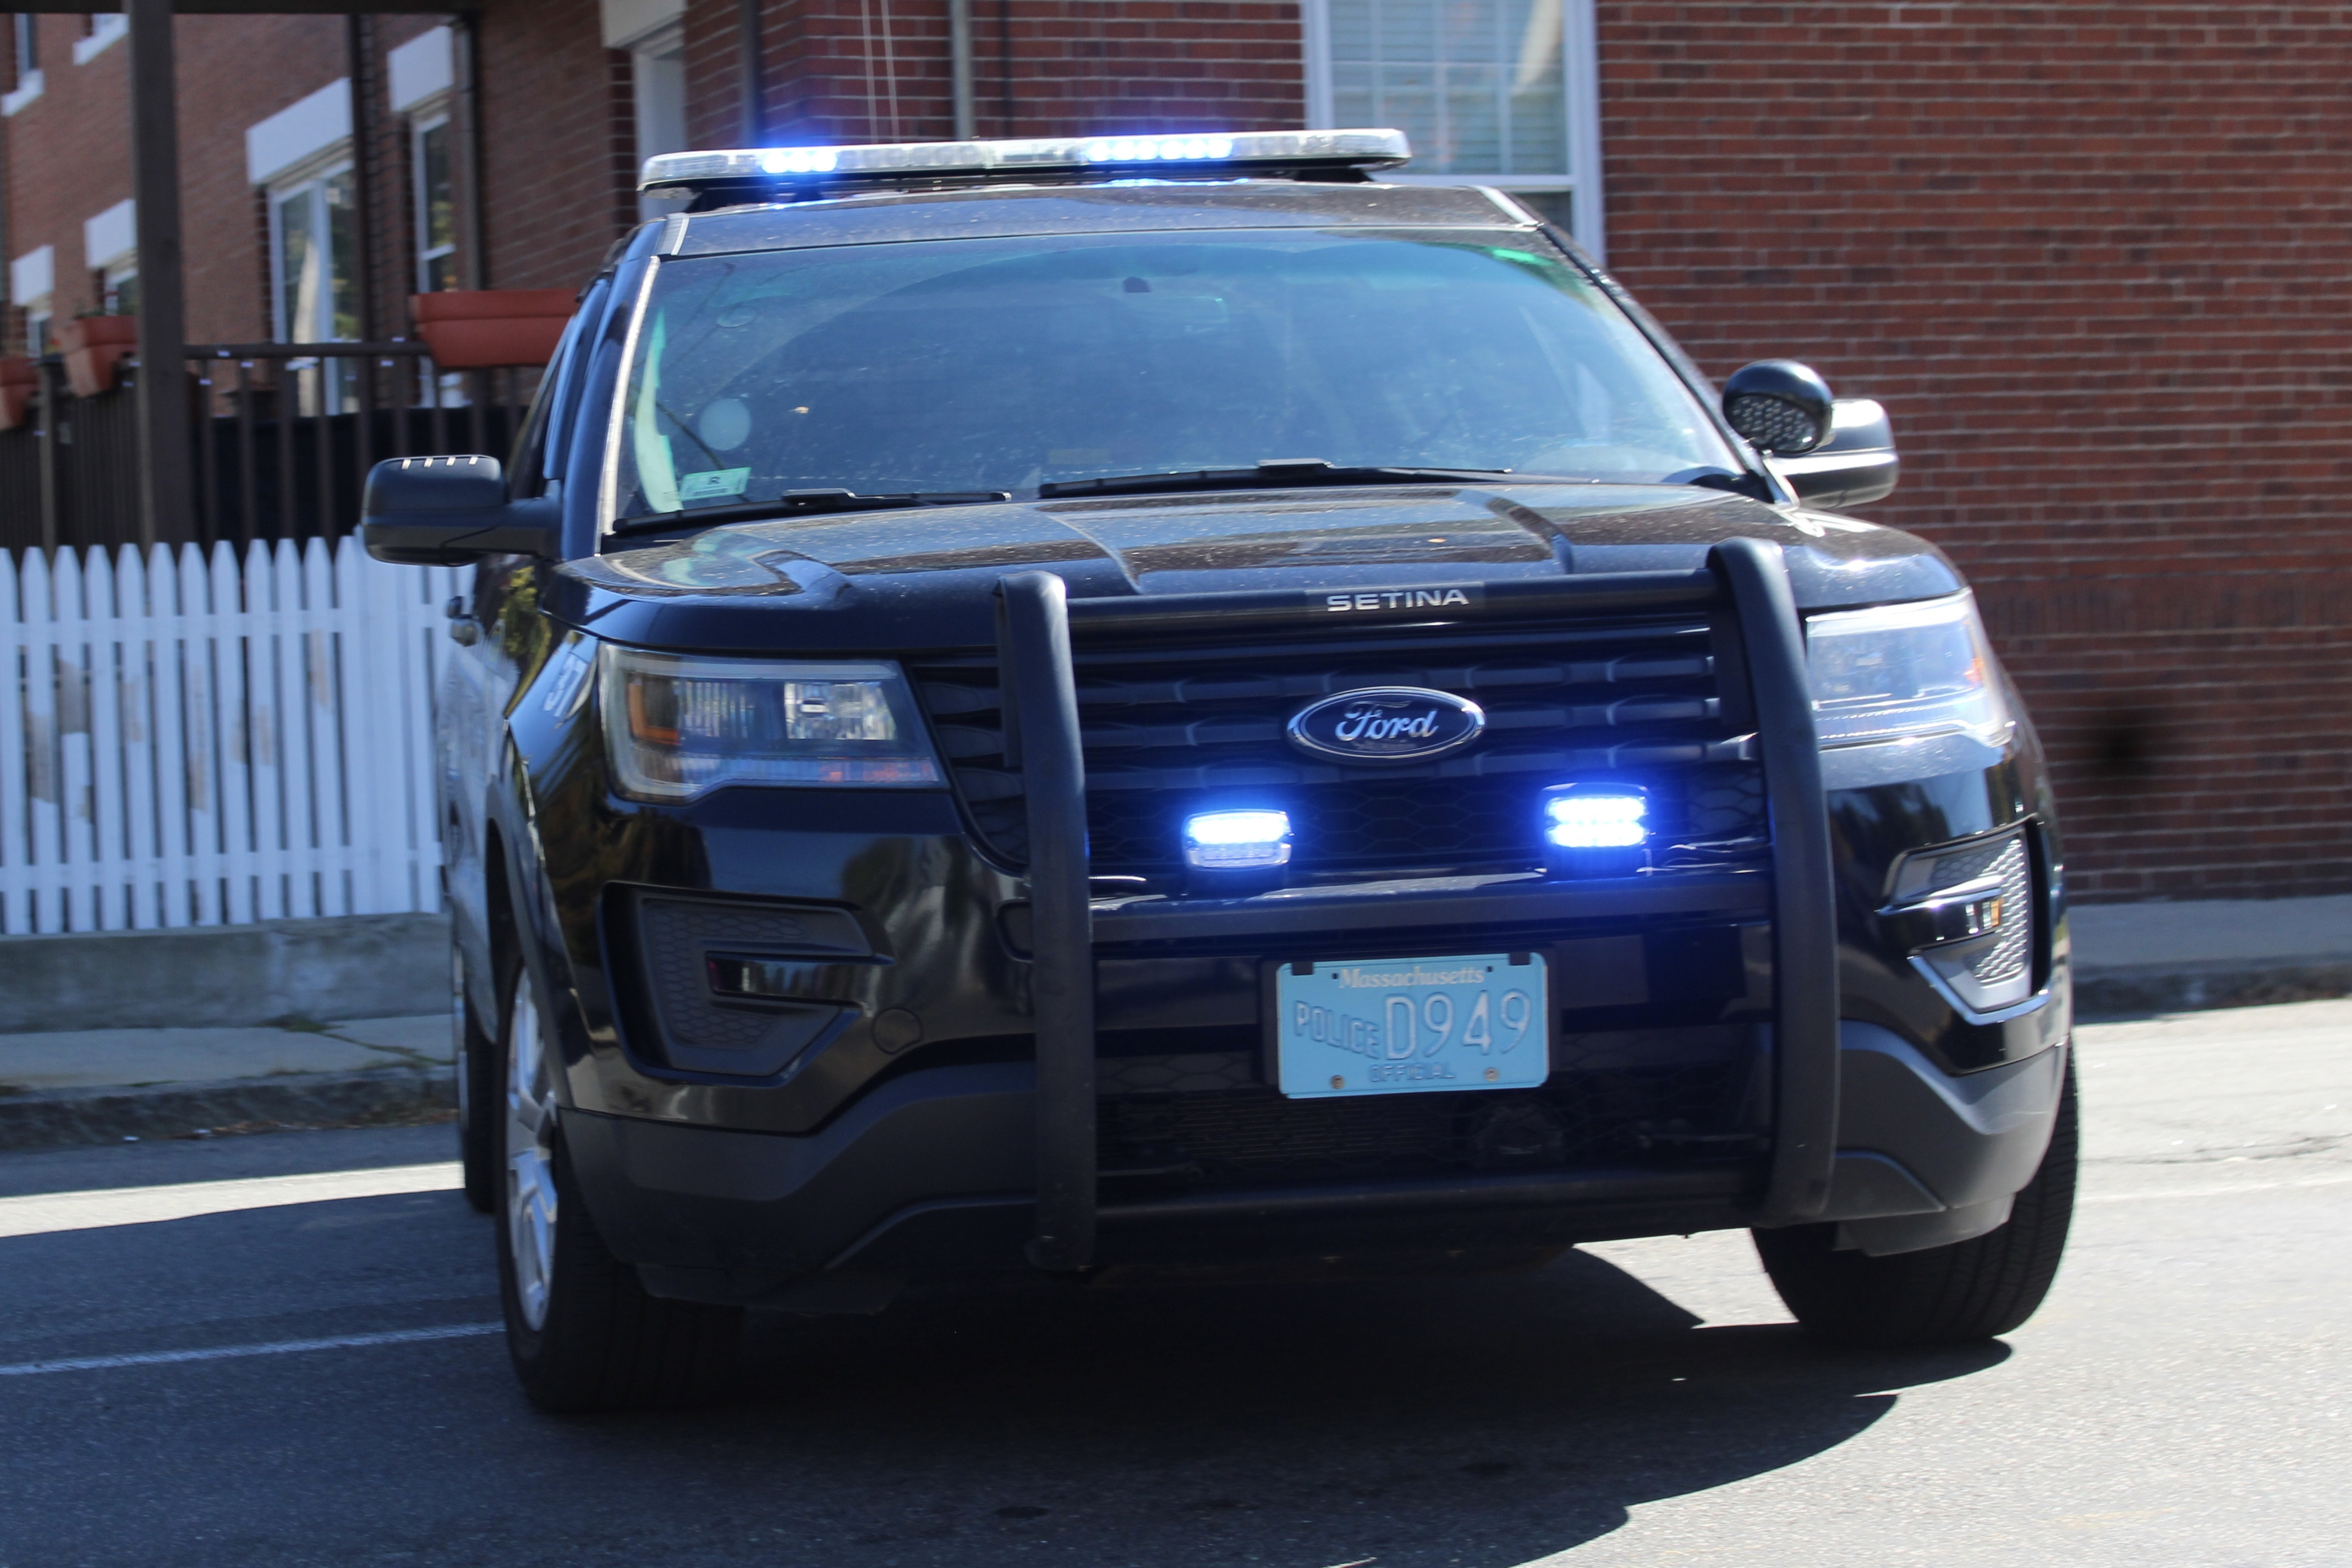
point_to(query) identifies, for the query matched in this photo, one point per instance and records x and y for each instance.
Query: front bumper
(934, 1172)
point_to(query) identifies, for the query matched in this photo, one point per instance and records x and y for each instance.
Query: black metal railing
(284, 435)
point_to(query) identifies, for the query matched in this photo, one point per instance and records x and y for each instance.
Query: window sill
(28, 88)
(105, 28)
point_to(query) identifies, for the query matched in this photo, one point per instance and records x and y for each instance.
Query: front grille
(1253, 1136)
(1171, 730)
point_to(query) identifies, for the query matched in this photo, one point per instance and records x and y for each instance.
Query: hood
(924, 578)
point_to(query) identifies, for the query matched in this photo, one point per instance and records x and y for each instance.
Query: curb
(2196, 987)
(61, 1118)
(342, 966)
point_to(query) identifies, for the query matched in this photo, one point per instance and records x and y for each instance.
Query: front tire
(477, 1092)
(581, 1329)
(1968, 1290)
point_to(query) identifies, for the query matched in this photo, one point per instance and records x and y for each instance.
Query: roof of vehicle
(1000, 211)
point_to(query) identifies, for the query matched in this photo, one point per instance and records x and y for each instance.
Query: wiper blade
(802, 503)
(1272, 473)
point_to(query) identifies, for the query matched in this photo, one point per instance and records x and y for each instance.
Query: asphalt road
(2182, 1400)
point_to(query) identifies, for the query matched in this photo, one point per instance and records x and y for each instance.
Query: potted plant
(95, 348)
(20, 379)
(477, 329)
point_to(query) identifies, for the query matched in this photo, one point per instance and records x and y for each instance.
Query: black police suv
(1146, 704)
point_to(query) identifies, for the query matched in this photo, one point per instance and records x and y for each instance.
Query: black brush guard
(1746, 582)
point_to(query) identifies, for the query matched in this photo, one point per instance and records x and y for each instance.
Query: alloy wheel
(530, 1157)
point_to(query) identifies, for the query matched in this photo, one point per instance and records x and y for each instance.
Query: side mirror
(1857, 465)
(448, 511)
(1782, 406)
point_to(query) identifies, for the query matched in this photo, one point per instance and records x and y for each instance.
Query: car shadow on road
(1459, 1422)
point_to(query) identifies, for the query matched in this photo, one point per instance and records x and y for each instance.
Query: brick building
(2088, 252)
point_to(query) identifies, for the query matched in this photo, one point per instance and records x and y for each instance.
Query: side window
(539, 449)
(572, 376)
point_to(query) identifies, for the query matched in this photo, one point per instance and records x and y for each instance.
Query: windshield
(959, 366)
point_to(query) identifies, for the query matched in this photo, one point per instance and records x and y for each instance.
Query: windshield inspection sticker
(712, 484)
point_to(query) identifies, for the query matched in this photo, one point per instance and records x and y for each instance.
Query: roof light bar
(771, 166)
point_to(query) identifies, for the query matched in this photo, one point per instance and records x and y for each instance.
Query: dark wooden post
(751, 46)
(473, 230)
(165, 511)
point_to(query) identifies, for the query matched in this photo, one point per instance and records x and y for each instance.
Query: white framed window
(25, 52)
(109, 248)
(653, 34)
(314, 287)
(313, 272)
(32, 280)
(657, 85)
(422, 75)
(437, 211)
(1491, 92)
(119, 288)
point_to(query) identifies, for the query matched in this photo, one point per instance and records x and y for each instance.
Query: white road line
(227, 1353)
(2213, 1192)
(44, 1211)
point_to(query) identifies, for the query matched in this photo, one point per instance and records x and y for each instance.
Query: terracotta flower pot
(481, 328)
(95, 348)
(20, 381)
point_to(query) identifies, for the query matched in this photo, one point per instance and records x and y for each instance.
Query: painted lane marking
(229, 1352)
(2213, 1191)
(41, 1213)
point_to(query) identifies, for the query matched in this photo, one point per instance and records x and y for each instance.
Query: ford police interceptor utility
(1132, 704)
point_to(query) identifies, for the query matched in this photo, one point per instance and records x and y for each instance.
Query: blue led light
(1237, 841)
(1158, 149)
(1583, 819)
(799, 160)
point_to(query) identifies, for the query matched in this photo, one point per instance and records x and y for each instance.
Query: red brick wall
(558, 137)
(838, 72)
(2092, 256)
(558, 143)
(68, 159)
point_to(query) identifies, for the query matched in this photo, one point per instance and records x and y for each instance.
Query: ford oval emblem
(1387, 724)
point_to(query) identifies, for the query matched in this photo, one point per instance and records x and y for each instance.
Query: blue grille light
(1237, 841)
(1597, 830)
(1583, 821)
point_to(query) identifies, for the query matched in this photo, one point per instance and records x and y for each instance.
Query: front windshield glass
(959, 365)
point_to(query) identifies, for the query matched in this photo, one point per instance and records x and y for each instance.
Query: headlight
(677, 727)
(1903, 672)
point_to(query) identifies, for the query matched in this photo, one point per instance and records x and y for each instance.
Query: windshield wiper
(802, 503)
(1271, 473)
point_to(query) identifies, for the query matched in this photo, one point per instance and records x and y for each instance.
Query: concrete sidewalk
(91, 1086)
(2216, 952)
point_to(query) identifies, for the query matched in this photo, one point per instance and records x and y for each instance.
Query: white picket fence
(193, 740)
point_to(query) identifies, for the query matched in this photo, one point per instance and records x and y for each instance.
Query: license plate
(1412, 1025)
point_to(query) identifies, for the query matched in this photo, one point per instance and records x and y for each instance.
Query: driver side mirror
(448, 511)
(1833, 452)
